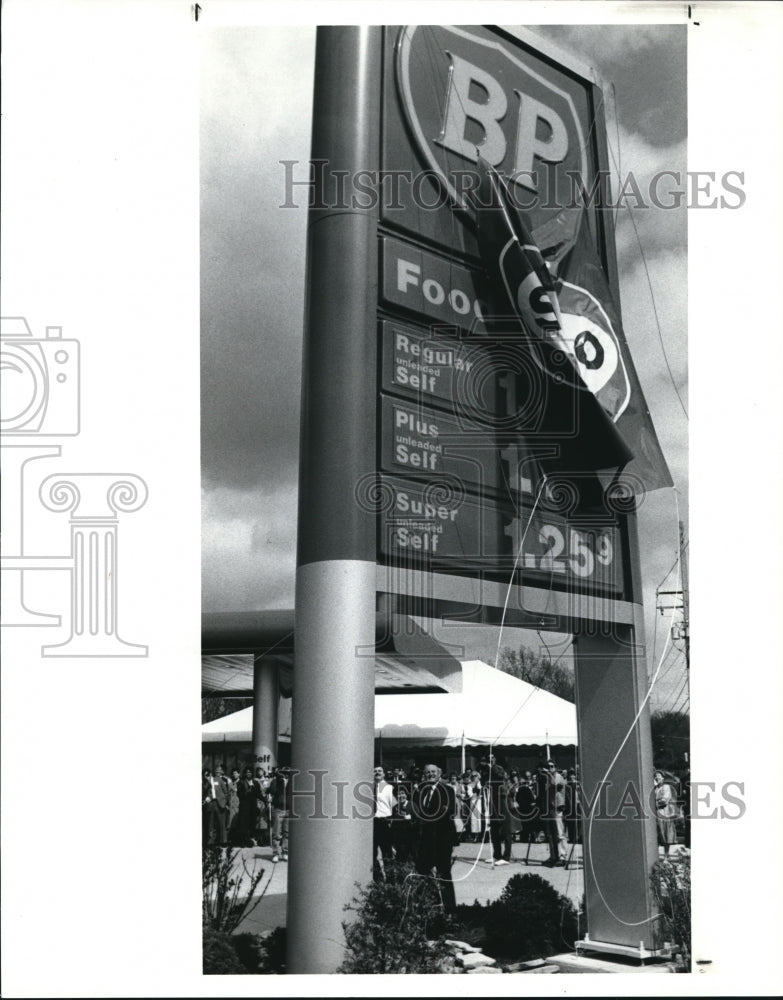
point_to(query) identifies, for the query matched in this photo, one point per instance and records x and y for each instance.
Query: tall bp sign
(473, 430)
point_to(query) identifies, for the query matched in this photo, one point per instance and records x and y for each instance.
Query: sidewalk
(474, 880)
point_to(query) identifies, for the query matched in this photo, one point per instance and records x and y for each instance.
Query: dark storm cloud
(252, 255)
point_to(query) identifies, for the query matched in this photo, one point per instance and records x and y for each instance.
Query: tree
(216, 708)
(671, 733)
(539, 670)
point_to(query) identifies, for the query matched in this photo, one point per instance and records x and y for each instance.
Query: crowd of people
(419, 815)
(246, 809)
(504, 806)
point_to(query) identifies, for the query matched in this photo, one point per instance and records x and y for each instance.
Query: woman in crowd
(233, 805)
(573, 808)
(527, 810)
(403, 829)
(264, 821)
(463, 801)
(666, 811)
(477, 814)
(248, 794)
(513, 821)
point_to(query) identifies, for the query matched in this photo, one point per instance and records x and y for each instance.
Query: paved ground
(474, 880)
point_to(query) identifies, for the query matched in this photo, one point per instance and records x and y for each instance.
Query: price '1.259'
(579, 555)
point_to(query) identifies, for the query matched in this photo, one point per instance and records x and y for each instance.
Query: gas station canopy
(406, 658)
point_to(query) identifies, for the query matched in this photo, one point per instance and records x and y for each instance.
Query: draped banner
(559, 291)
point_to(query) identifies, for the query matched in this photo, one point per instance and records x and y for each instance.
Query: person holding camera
(279, 795)
(552, 806)
(493, 789)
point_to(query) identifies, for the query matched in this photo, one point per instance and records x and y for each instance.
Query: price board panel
(456, 402)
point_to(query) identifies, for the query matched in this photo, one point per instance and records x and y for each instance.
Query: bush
(249, 950)
(235, 954)
(530, 920)
(227, 888)
(219, 956)
(394, 924)
(671, 885)
(222, 881)
(470, 923)
(272, 950)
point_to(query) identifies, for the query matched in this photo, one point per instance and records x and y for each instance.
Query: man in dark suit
(207, 808)
(552, 804)
(215, 800)
(434, 808)
(280, 794)
(220, 794)
(494, 790)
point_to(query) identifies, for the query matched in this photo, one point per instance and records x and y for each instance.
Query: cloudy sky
(256, 108)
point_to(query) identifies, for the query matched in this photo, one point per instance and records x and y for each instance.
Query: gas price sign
(438, 524)
(420, 439)
(449, 387)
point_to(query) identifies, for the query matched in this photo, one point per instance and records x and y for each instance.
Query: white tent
(492, 708)
(238, 727)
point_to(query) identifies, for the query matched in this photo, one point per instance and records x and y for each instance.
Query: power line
(670, 665)
(676, 560)
(667, 701)
(649, 285)
(677, 697)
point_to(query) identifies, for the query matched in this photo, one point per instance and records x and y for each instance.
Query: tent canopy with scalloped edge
(492, 708)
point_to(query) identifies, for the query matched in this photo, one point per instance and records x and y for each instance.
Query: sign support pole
(616, 771)
(265, 700)
(334, 681)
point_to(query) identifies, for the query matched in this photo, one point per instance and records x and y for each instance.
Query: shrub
(249, 951)
(227, 888)
(671, 884)
(234, 954)
(219, 956)
(531, 919)
(394, 924)
(470, 923)
(222, 881)
(272, 949)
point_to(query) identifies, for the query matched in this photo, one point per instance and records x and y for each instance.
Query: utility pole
(681, 629)
(686, 631)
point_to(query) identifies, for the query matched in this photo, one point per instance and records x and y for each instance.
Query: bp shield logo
(465, 94)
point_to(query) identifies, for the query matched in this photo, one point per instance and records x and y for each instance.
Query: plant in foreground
(671, 885)
(531, 919)
(228, 886)
(399, 925)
